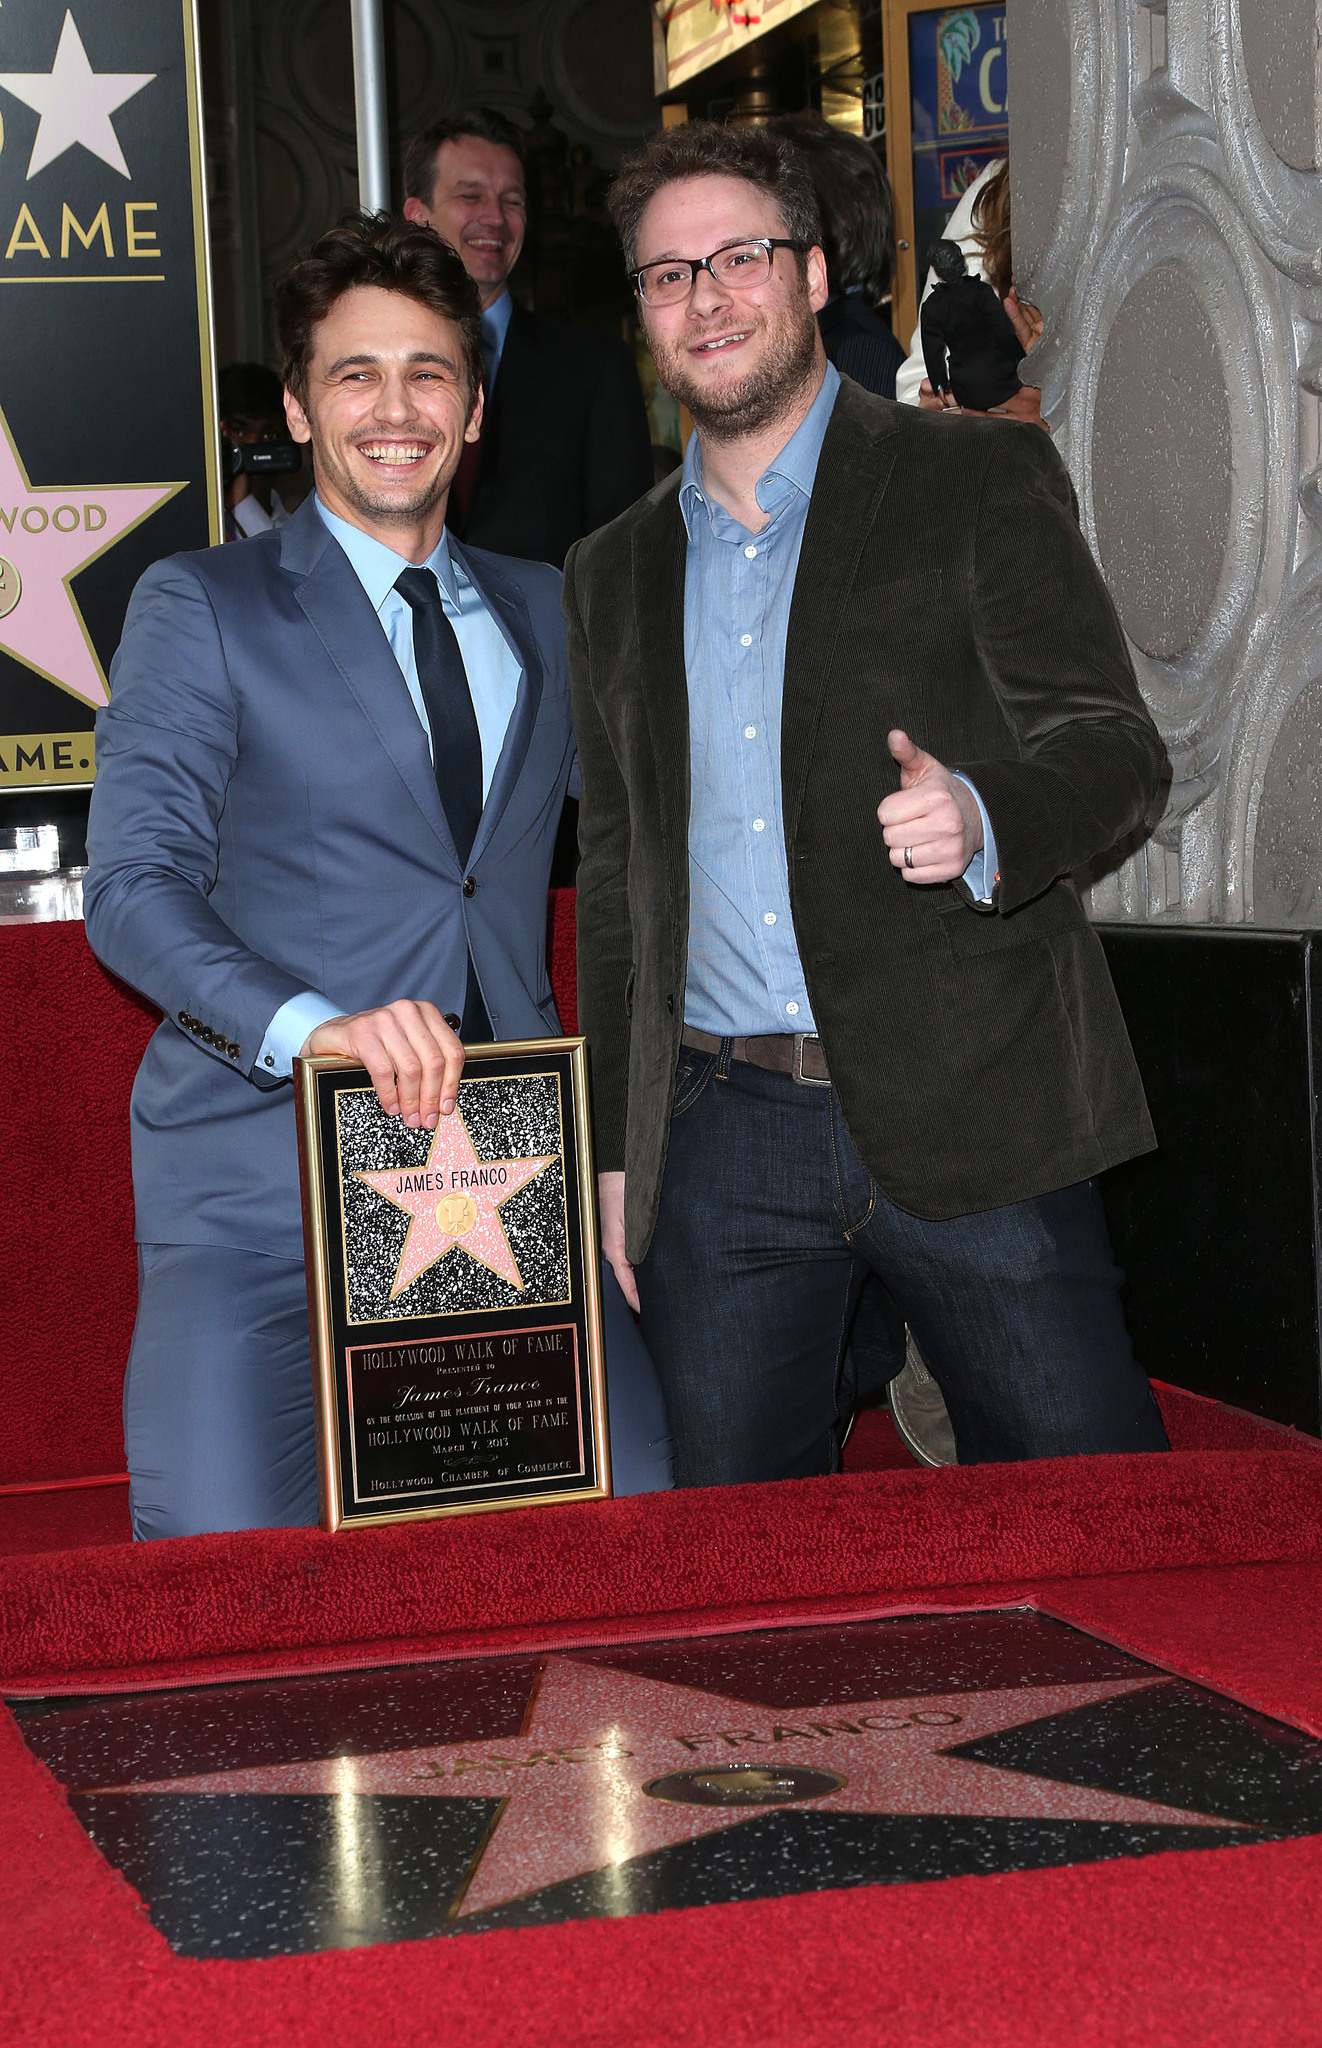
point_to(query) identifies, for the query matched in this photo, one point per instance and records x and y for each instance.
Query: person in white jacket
(911, 384)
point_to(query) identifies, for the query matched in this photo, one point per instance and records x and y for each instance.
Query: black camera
(259, 458)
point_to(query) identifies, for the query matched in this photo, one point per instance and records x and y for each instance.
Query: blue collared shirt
(495, 326)
(493, 682)
(744, 973)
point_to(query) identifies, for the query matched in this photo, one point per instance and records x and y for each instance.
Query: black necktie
(456, 745)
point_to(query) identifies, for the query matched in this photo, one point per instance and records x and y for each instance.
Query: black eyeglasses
(739, 266)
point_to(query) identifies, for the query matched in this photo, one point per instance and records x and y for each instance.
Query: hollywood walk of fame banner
(108, 452)
(454, 1290)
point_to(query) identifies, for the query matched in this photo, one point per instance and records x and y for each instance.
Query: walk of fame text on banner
(108, 456)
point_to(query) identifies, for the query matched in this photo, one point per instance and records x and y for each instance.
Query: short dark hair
(706, 149)
(420, 156)
(250, 391)
(854, 198)
(392, 254)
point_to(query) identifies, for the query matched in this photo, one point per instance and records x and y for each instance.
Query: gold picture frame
(454, 1295)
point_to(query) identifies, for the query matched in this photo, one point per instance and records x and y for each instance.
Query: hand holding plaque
(454, 1290)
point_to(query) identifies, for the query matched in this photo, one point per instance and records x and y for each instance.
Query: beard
(385, 507)
(761, 396)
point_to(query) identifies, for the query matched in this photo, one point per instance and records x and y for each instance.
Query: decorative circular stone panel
(1287, 849)
(1161, 497)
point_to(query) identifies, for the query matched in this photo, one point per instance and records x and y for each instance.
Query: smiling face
(737, 359)
(477, 205)
(386, 410)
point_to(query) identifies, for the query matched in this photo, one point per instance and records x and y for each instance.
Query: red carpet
(297, 1599)
(1206, 1562)
(1216, 1947)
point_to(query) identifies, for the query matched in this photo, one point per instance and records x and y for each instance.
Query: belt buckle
(805, 1080)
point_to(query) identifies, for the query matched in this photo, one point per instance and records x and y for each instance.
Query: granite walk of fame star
(48, 535)
(453, 1202)
(611, 1766)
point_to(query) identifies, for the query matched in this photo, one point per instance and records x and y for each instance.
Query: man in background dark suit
(565, 442)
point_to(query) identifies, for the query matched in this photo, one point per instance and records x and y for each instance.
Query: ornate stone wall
(1167, 196)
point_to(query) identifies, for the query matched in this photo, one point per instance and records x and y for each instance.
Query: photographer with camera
(255, 447)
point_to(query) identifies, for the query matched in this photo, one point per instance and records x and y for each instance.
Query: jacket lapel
(660, 549)
(507, 606)
(341, 614)
(858, 454)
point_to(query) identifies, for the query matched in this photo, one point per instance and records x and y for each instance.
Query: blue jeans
(218, 1417)
(768, 1224)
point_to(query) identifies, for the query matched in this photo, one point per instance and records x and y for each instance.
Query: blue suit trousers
(218, 1417)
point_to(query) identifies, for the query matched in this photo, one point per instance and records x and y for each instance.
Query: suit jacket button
(470, 885)
(451, 1019)
(185, 1019)
(207, 1037)
(195, 1027)
(233, 1051)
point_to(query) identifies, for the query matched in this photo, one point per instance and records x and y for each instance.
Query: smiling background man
(330, 775)
(565, 443)
(842, 685)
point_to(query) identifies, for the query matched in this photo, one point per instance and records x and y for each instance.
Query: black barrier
(108, 454)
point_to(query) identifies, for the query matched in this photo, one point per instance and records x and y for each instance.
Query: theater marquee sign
(108, 455)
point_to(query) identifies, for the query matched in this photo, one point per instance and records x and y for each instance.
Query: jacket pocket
(695, 1071)
(970, 932)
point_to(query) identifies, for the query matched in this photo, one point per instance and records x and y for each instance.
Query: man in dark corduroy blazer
(851, 703)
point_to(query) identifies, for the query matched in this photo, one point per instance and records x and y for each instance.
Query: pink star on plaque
(611, 1766)
(46, 536)
(454, 1201)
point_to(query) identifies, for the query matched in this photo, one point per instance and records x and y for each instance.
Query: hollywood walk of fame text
(465, 1411)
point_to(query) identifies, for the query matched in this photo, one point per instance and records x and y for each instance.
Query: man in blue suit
(329, 780)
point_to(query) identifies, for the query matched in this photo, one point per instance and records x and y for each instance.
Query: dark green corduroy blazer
(943, 586)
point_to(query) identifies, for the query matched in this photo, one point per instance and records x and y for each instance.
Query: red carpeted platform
(1208, 1563)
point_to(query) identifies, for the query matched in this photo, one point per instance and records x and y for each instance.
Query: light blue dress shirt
(495, 326)
(493, 682)
(744, 973)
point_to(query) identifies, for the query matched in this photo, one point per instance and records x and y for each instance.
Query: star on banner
(46, 536)
(75, 103)
(454, 1200)
(611, 1766)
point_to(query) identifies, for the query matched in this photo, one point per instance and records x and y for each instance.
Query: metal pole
(369, 93)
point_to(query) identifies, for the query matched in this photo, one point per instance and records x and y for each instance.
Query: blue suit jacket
(265, 820)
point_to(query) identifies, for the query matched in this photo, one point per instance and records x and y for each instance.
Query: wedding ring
(908, 856)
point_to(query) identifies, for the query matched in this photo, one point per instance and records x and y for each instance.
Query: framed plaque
(454, 1290)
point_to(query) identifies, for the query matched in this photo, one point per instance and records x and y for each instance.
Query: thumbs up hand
(931, 824)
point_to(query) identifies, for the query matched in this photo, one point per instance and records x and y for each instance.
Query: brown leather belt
(796, 1053)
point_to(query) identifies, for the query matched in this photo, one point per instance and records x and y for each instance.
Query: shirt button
(750, 552)
(768, 917)
(745, 639)
(759, 824)
(270, 1059)
(750, 732)
(791, 1009)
